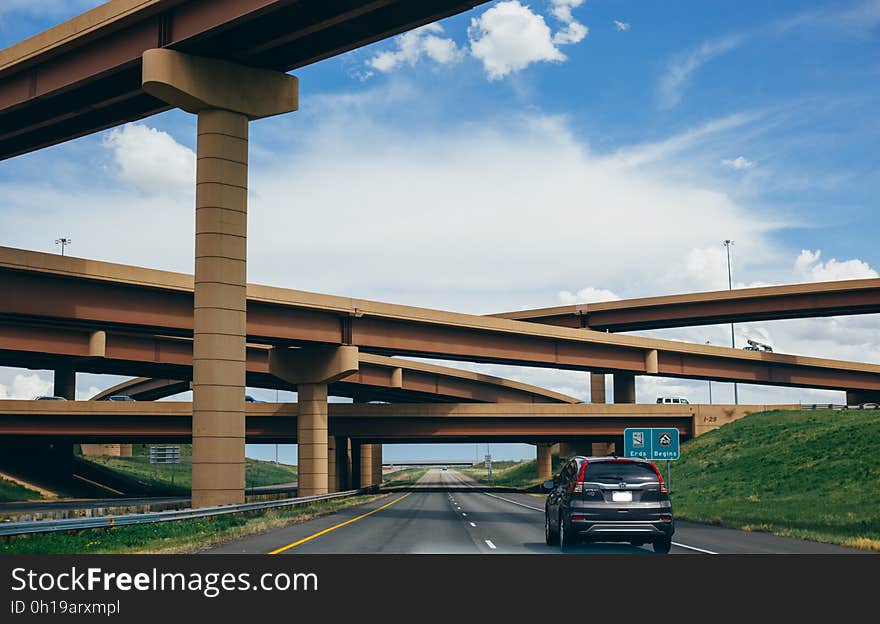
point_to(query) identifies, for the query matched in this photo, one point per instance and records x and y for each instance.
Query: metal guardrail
(103, 522)
(836, 406)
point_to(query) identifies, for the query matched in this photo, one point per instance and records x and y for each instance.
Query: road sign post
(164, 455)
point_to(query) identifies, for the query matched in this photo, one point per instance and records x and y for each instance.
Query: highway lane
(448, 513)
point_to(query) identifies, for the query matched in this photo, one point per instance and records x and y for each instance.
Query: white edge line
(490, 544)
(513, 502)
(702, 550)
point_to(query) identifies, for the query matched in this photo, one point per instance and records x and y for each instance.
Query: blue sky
(523, 155)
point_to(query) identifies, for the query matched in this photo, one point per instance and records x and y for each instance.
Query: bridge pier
(311, 369)
(366, 465)
(226, 97)
(64, 383)
(545, 461)
(377, 464)
(624, 387)
(597, 387)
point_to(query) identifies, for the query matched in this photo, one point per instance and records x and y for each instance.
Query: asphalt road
(448, 513)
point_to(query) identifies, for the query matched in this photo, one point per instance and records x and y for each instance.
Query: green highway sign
(651, 443)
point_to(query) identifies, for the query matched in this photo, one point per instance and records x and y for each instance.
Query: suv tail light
(663, 488)
(577, 487)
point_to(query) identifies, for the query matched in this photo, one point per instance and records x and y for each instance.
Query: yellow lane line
(337, 526)
(100, 485)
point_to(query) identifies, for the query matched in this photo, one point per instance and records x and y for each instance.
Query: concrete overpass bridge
(226, 63)
(59, 296)
(766, 303)
(356, 432)
(378, 378)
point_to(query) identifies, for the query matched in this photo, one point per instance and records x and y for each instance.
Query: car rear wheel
(566, 536)
(550, 536)
(662, 545)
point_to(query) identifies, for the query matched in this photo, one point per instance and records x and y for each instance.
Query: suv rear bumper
(620, 530)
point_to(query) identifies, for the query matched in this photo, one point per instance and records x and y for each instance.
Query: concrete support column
(624, 388)
(65, 383)
(597, 387)
(545, 462)
(566, 450)
(219, 321)
(366, 469)
(601, 449)
(311, 437)
(377, 464)
(332, 466)
(225, 96)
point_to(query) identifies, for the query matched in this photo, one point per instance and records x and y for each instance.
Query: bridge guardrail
(76, 524)
(837, 406)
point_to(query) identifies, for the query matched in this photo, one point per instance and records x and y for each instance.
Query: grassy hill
(257, 472)
(808, 474)
(517, 474)
(12, 491)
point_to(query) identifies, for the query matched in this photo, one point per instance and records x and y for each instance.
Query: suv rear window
(614, 472)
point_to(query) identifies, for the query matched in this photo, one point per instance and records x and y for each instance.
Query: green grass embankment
(257, 473)
(12, 491)
(403, 478)
(173, 537)
(514, 474)
(807, 474)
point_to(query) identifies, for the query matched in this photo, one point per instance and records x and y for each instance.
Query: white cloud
(682, 66)
(561, 9)
(738, 164)
(588, 295)
(572, 33)
(808, 267)
(415, 44)
(25, 386)
(509, 37)
(151, 160)
(622, 26)
(664, 150)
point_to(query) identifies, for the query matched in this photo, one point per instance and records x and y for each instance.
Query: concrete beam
(195, 84)
(313, 365)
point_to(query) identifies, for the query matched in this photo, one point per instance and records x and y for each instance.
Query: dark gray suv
(609, 499)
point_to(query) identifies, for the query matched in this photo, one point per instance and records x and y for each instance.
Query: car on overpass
(48, 397)
(608, 499)
(672, 400)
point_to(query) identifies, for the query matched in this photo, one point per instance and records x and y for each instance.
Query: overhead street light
(727, 243)
(64, 242)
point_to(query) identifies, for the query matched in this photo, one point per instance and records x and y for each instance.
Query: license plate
(622, 497)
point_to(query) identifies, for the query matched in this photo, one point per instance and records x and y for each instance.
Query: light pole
(64, 242)
(727, 243)
(710, 384)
